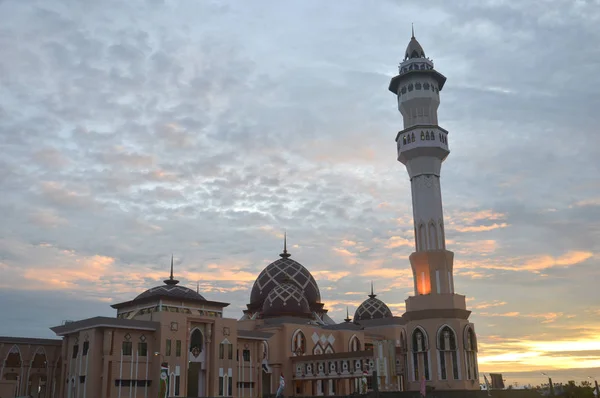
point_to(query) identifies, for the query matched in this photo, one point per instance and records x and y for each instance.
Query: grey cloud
(135, 139)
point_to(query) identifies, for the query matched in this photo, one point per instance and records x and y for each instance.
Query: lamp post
(596, 383)
(550, 383)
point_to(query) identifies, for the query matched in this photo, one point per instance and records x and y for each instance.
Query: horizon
(207, 129)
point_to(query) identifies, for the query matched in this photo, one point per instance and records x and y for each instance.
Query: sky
(133, 130)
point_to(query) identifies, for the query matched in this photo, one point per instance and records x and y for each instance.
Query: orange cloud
(469, 221)
(398, 241)
(388, 273)
(346, 242)
(330, 275)
(488, 304)
(481, 228)
(568, 259)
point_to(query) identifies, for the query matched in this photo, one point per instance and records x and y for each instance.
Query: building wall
(30, 366)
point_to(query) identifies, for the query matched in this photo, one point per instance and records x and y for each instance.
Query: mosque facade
(171, 341)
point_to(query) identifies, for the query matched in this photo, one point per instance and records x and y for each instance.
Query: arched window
(448, 353)
(403, 340)
(410, 87)
(427, 136)
(433, 239)
(470, 342)
(403, 91)
(404, 140)
(13, 358)
(422, 135)
(298, 343)
(39, 359)
(418, 86)
(421, 241)
(420, 351)
(354, 344)
(426, 86)
(413, 137)
(265, 350)
(196, 342)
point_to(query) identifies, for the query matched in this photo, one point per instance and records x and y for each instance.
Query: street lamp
(550, 382)
(596, 383)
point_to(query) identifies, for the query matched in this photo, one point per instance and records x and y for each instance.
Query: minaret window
(427, 136)
(403, 91)
(404, 140)
(426, 86)
(422, 135)
(471, 353)
(417, 86)
(413, 137)
(448, 353)
(410, 87)
(420, 351)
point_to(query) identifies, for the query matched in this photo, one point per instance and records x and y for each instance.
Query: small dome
(372, 308)
(275, 273)
(414, 50)
(286, 299)
(174, 291)
(171, 290)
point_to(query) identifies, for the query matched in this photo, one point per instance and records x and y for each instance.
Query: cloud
(150, 134)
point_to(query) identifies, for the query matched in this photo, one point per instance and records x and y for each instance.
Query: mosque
(171, 341)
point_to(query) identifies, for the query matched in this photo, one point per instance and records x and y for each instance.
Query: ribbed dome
(414, 50)
(174, 291)
(286, 299)
(275, 273)
(372, 308)
(170, 289)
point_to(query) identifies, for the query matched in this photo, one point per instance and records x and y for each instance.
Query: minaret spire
(347, 320)
(372, 295)
(413, 30)
(171, 281)
(198, 287)
(285, 253)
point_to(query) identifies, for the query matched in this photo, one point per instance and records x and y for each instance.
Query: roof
(29, 341)
(102, 321)
(344, 326)
(371, 323)
(254, 335)
(157, 297)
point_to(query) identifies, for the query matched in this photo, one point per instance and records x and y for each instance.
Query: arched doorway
(196, 380)
(12, 368)
(38, 376)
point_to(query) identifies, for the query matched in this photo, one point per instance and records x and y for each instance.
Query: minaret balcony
(422, 140)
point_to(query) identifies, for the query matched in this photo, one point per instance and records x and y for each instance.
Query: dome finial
(198, 287)
(171, 281)
(372, 295)
(413, 30)
(285, 253)
(347, 320)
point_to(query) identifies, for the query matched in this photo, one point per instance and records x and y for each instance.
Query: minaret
(435, 310)
(422, 147)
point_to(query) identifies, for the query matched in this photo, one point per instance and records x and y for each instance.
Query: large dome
(372, 308)
(286, 299)
(275, 274)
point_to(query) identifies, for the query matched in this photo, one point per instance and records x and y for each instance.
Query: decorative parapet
(333, 366)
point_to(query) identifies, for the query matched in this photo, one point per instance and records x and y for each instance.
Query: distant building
(172, 339)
